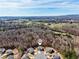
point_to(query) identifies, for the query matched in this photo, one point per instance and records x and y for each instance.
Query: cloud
(8, 5)
(61, 4)
(23, 3)
(14, 3)
(34, 6)
(66, 4)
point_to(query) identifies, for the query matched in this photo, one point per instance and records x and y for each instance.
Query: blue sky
(38, 7)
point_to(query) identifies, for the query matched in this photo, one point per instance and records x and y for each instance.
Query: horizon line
(34, 15)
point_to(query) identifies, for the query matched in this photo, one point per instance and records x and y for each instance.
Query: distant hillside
(68, 17)
(63, 17)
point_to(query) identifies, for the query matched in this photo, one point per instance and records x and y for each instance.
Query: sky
(38, 7)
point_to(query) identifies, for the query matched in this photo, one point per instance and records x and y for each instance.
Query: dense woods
(26, 37)
(21, 35)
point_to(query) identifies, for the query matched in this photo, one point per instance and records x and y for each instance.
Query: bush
(70, 55)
